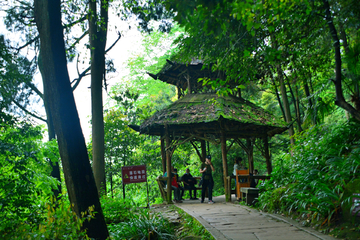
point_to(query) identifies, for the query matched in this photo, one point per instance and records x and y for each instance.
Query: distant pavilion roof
(204, 116)
(181, 75)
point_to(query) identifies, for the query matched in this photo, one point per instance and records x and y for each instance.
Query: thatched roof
(178, 74)
(207, 114)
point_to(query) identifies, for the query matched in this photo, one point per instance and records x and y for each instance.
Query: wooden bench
(251, 195)
(162, 187)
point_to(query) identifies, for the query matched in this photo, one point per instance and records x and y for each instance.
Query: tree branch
(340, 100)
(84, 73)
(27, 112)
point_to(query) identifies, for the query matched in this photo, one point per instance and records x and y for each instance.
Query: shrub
(58, 221)
(144, 225)
(312, 181)
(117, 210)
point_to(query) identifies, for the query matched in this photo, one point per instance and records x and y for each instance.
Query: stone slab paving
(233, 221)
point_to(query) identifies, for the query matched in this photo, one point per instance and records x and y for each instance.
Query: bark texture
(340, 100)
(97, 33)
(77, 170)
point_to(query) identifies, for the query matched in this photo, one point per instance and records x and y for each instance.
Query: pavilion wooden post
(267, 155)
(168, 164)
(225, 168)
(203, 150)
(250, 152)
(163, 154)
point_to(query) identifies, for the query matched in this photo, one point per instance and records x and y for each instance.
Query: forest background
(298, 60)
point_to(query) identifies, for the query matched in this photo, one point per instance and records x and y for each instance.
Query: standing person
(236, 166)
(206, 169)
(189, 183)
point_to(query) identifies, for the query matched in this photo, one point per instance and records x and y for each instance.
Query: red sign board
(133, 174)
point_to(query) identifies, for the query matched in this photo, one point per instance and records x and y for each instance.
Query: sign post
(134, 174)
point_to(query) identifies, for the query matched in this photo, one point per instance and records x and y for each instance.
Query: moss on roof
(198, 110)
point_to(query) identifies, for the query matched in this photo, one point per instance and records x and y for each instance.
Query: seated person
(179, 184)
(256, 181)
(174, 186)
(189, 183)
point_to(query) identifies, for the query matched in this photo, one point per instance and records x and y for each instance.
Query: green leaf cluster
(143, 225)
(312, 182)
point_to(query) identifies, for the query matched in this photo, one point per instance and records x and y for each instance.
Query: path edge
(290, 221)
(213, 231)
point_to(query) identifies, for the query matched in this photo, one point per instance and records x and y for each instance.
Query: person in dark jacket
(189, 183)
(206, 169)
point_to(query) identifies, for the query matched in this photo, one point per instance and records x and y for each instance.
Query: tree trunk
(277, 95)
(298, 113)
(55, 168)
(77, 170)
(267, 155)
(97, 33)
(340, 100)
(297, 110)
(308, 96)
(285, 103)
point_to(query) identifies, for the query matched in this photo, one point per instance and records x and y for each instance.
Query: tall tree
(97, 33)
(77, 170)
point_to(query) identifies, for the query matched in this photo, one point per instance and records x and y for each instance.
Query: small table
(251, 195)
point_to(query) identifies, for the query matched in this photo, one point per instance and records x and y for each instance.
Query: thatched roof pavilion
(208, 117)
(189, 76)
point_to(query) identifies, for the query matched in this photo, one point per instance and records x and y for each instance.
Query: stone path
(233, 221)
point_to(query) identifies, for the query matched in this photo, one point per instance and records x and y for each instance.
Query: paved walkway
(233, 221)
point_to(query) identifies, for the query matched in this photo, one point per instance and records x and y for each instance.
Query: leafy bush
(26, 209)
(312, 181)
(58, 221)
(24, 175)
(144, 225)
(117, 210)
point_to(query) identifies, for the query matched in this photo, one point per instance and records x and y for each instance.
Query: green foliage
(25, 174)
(57, 221)
(117, 210)
(15, 75)
(143, 225)
(313, 180)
